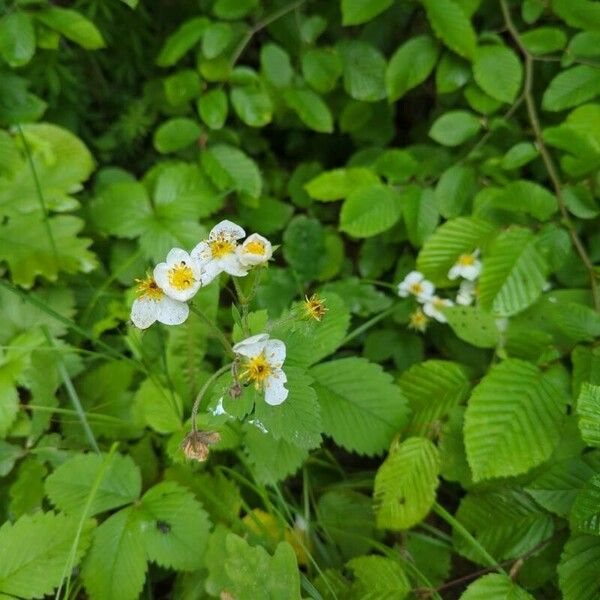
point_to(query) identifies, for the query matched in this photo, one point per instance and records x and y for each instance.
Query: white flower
(179, 275)
(466, 293)
(433, 308)
(255, 250)
(418, 321)
(219, 252)
(416, 284)
(262, 362)
(467, 266)
(153, 305)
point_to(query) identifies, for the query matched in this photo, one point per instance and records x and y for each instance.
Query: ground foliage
(369, 138)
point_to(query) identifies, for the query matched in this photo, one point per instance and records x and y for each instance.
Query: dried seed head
(196, 444)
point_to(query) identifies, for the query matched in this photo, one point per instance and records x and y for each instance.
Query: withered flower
(196, 444)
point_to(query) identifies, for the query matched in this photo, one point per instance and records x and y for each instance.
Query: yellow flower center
(255, 247)
(418, 320)
(147, 288)
(466, 260)
(416, 288)
(221, 247)
(438, 303)
(257, 370)
(181, 277)
(314, 307)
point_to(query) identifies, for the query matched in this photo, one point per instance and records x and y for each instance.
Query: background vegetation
(369, 138)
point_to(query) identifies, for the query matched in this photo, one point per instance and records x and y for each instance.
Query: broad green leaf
(498, 72)
(158, 407)
(321, 67)
(578, 568)
(455, 190)
(451, 73)
(10, 404)
(212, 108)
(370, 210)
(378, 577)
(455, 127)
(473, 325)
(17, 38)
(495, 586)
(181, 87)
(230, 167)
(572, 87)
(252, 105)
(216, 38)
(583, 14)
(116, 565)
(339, 183)
(304, 246)
(73, 25)
(364, 71)
(34, 551)
(410, 66)
(176, 134)
(452, 26)
(514, 273)
(544, 40)
(433, 388)
(276, 65)
(519, 155)
(518, 526)
(528, 197)
(17, 104)
(513, 420)
(173, 527)
(355, 12)
(311, 109)
(420, 213)
(585, 512)
(186, 36)
(448, 242)
(233, 9)
(9, 454)
(588, 411)
(405, 484)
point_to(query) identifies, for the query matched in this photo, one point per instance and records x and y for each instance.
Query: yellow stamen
(255, 247)
(148, 288)
(221, 246)
(257, 369)
(314, 307)
(418, 320)
(416, 288)
(181, 276)
(466, 260)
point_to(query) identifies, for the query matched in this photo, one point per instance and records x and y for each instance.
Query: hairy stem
(203, 391)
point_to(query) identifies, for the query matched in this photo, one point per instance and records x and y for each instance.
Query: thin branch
(203, 391)
(546, 156)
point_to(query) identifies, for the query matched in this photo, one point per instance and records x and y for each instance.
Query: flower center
(257, 370)
(181, 276)
(314, 307)
(416, 288)
(438, 303)
(418, 320)
(255, 247)
(221, 247)
(147, 288)
(466, 260)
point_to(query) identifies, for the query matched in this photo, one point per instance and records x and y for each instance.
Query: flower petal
(232, 265)
(208, 271)
(172, 312)
(454, 272)
(251, 346)
(161, 275)
(227, 229)
(275, 390)
(177, 255)
(144, 312)
(250, 258)
(201, 252)
(275, 352)
(428, 289)
(413, 277)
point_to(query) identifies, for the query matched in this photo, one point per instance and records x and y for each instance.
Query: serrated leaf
(498, 72)
(355, 12)
(572, 87)
(364, 71)
(514, 273)
(513, 420)
(495, 586)
(405, 484)
(578, 568)
(362, 417)
(588, 411)
(34, 551)
(585, 512)
(473, 325)
(10, 403)
(158, 407)
(70, 485)
(230, 167)
(378, 578)
(583, 14)
(339, 183)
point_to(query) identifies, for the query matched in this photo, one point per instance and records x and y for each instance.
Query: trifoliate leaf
(496, 586)
(71, 484)
(361, 408)
(405, 484)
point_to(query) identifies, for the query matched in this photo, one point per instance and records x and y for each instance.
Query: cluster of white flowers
(414, 284)
(163, 296)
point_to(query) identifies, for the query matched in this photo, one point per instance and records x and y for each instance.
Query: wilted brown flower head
(196, 444)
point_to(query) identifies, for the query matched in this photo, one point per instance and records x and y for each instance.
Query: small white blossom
(466, 293)
(218, 253)
(154, 305)
(255, 250)
(467, 266)
(433, 308)
(416, 284)
(179, 276)
(262, 362)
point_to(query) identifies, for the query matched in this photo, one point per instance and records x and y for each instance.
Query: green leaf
(410, 66)
(27, 246)
(10, 404)
(473, 325)
(572, 87)
(371, 210)
(451, 74)
(528, 197)
(186, 36)
(405, 484)
(378, 577)
(360, 417)
(544, 40)
(455, 190)
(229, 167)
(495, 586)
(212, 108)
(420, 212)
(174, 528)
(498, 72)
(73, 25)
(364, 71)
(311, 109)
(321, 67)
(34, 551)
(116, 564)
(519, 155)
(578, 568)
(355, 12)
(448, 242)
(176, 134)
(514, 273)
(158, 407)
(455, 127)
(339, 183)
(588, 411)
(182, 87)
(582, 14)
(216, 38)
(433, 389)
(585, 512)
(17, 105)
(233, 9)
(17, 39)
(276, 65)
(513, 420)
(452, 26)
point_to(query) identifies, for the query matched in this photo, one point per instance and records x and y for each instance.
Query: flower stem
(215, 330)
(203, 391)
(368, 324)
